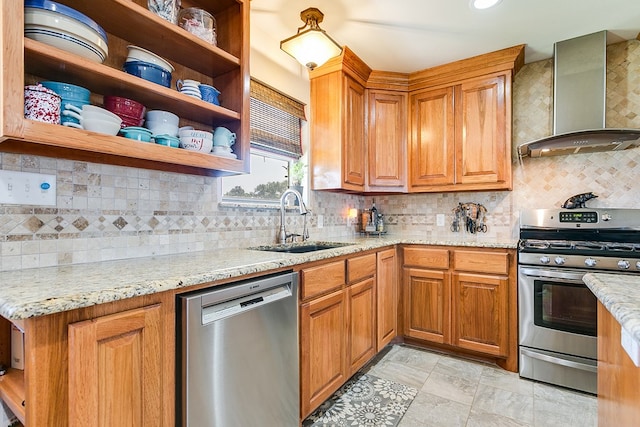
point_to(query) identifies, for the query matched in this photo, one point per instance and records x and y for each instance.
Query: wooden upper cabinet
(386, 141)
(483, 129)
(115, 369)
(432, 138)
(461, 136)
(338, 124)
(353, 146)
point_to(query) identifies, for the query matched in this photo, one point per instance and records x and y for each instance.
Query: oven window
(565, 307)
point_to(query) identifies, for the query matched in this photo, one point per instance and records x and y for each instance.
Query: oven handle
(554, 274)
(558, 361)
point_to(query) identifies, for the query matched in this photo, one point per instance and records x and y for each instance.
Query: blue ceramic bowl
(148, 71)
(68, 91)
(137, 133)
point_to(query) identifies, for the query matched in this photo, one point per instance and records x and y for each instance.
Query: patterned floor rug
(364, 401)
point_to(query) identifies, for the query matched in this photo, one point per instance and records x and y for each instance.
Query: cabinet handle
(558, 361)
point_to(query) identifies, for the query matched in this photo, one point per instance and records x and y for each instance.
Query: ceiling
(411, 35)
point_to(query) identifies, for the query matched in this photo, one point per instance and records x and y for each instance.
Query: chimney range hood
(579, 96)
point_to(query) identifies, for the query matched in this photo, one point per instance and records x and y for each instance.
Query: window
(275, 121)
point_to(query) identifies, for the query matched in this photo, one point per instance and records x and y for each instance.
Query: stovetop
(598, 239)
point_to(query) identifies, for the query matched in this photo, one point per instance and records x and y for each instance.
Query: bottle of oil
(374, 215)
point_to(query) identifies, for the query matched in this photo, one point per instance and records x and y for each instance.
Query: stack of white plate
(65, 28)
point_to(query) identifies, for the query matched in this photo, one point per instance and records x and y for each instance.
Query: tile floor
(459, 392)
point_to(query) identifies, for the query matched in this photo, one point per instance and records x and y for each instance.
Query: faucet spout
(303, 211)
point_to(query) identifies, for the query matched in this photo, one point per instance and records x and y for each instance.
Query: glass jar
(166, 9)
(198, 22)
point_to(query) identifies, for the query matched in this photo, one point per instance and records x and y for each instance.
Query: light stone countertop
(41, 291)
(620, 294)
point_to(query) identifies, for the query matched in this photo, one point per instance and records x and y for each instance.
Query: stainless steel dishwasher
(239, 354)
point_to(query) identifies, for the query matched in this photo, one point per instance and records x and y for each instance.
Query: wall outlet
(320, 220)
(26, 188)
(440, 220)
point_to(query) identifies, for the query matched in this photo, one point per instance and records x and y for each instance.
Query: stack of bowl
(70, 94)
(147, 65)
(93, 118)
(65, 28)
(162, 123)
(131, 112)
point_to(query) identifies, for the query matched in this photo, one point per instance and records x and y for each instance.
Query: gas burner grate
(592, 246)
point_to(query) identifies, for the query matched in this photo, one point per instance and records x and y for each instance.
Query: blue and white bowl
(65, 28)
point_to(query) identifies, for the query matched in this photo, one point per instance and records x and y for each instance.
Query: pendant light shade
(311, 46)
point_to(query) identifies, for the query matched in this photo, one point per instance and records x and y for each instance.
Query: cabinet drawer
(321, 279)
(361, 267)
(481, 262)
(426, 257)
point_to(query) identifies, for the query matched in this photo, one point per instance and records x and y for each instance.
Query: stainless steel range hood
(579, 95)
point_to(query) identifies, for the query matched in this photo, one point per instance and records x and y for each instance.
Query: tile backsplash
(107, 212)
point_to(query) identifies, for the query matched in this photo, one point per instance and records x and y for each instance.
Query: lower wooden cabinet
(323, 349)
(618, 377)
(480, 314)
(338, 329)
(427, 313)
(387, 297)
(115, 369)
(463, 299)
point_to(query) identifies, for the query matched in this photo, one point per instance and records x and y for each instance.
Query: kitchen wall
(109, 212)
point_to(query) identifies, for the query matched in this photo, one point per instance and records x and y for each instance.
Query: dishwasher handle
(222, 310)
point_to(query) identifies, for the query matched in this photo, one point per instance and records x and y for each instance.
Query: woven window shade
(275, 121)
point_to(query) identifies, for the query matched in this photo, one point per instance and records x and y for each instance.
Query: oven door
(558, 312)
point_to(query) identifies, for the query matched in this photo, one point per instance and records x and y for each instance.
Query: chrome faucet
(303, 211)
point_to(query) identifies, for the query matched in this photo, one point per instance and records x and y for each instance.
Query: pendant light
(311, 46)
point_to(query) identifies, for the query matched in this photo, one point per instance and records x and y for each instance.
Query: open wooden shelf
(12, 392)
(129, 22)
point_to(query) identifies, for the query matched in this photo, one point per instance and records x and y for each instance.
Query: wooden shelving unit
(128, 22)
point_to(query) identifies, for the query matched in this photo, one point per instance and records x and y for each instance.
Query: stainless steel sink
(301, 248)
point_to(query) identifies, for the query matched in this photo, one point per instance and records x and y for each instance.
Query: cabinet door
(427, 313)
(362, 322)
(115, 369)
(323, 349)
(480, 313)
(432, 139)
(353, 143)
(387, 297)
(386, 141)
(483, 123)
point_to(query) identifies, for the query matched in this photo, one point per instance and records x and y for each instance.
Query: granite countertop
(620, 294)
(41, 291)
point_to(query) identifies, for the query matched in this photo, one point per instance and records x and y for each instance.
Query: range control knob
(547, 260)
(590, 262)
(606, 217)
(638, 265)
(559, 260)
(623, 264)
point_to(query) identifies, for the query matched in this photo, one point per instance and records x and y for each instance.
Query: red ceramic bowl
(124, 107)
(130, 121)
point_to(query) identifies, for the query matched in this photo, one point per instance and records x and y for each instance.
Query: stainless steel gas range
(558, 322)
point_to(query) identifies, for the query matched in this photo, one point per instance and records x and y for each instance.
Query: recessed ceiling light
(484, 4)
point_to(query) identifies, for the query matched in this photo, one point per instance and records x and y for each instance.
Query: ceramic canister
(41, 104)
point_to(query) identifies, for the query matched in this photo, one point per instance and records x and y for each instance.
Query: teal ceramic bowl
(168, 140)
(137, 133)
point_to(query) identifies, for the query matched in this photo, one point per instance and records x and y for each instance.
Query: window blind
(275, 120)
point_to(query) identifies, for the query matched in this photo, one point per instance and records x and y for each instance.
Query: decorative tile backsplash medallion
(107, 212)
